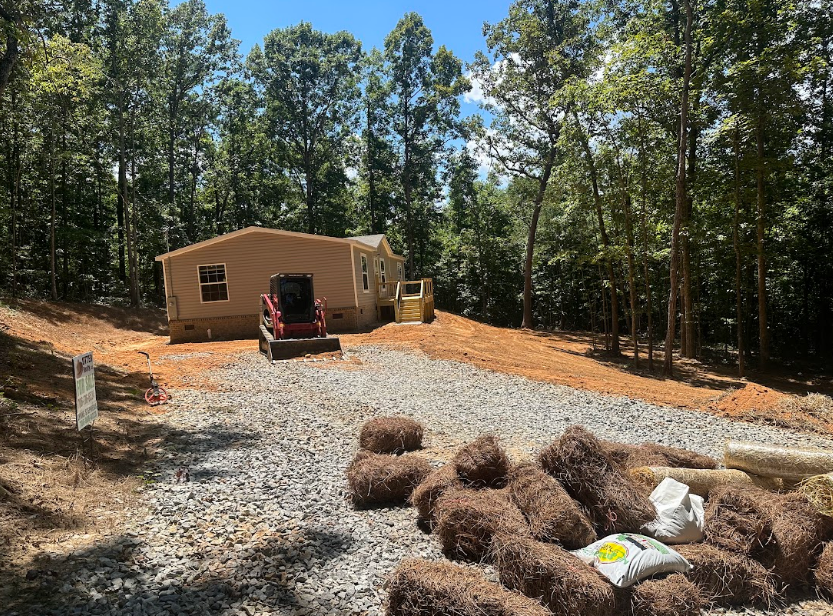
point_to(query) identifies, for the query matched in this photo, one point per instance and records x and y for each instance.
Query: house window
(213, 285)
(365, 276)
(399, 270)
(382, 274)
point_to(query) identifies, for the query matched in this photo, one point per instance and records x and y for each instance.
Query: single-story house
(213, 287)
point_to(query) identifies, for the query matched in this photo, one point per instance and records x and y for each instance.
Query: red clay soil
(569, 359)
(116, 334)
(559, 358)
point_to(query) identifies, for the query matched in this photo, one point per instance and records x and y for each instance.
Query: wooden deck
(412, 300)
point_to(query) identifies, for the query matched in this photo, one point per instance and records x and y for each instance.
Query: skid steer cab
(293, 322)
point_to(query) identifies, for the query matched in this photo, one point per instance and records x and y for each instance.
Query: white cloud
(475, 95)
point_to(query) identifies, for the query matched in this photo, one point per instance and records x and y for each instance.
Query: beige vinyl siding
(367, 300)
(394, 263)
(250, 260)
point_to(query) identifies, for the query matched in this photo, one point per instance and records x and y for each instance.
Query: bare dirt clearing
(567, 358)
(232, 423)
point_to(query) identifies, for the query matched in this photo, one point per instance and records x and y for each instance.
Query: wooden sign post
(86, 405)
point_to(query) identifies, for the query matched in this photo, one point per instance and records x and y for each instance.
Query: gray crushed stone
(263, 526)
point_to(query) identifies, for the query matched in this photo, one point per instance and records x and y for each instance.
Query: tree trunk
(644, 224)
(738, 261)
(543, 181)
(122, 192)
(371, 176)
(14, 188)
(762, 318)
(604, 311)
(689, 348)
(130, 222)
(52, 265)
(11, 54)
(309, 174)
(680, 198)
(597, 200)
(172, 113)
(632, 278)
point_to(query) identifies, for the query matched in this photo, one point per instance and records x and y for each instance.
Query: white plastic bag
(680, 516)
(626, 558)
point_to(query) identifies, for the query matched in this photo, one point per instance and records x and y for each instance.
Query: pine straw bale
(562, 582)
(383, 479)
(726, 578)
(425, 496)
(483, 462)
(701, 481)
(797, 535)
(824, 572)
(467, 520)
(425, 588)
(674, 595)
(391, 435)
(552, 514)
(615, 502)
(735, 519)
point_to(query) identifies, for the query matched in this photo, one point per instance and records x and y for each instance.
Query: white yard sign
(86, 406)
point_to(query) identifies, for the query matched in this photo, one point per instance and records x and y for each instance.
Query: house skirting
(247, 326)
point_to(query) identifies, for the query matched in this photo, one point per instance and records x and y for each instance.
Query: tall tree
(310, 80)
(196, 50)
(535, 52)
(680, 192)
(425, 87)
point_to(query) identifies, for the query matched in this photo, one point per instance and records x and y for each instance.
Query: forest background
(659, 171)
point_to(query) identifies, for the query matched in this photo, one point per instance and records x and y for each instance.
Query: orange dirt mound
(752, 398)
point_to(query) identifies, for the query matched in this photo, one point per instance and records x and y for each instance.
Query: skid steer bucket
(289, 348)
(293, 322)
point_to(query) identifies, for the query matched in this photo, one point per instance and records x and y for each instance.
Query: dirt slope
(569, 359)
(560, 358)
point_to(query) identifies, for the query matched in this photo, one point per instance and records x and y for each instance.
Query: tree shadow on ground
(66, 314)
(268, 575)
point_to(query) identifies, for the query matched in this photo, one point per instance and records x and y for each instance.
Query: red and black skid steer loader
(293, 323)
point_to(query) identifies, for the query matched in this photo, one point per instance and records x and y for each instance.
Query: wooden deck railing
(394, 293)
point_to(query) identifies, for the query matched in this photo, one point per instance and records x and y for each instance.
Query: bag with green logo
(626, 558)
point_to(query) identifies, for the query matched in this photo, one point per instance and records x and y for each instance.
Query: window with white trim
(399, 270)
(213, 284)
(365, 275)
(382, 273)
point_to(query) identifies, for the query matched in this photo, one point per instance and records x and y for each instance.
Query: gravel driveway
(263, 526)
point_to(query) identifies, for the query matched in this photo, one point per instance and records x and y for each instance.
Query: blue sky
(457, 24)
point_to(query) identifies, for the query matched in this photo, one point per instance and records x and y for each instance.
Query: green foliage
(132, 127)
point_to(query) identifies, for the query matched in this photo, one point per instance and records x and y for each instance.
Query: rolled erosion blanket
(391, 435)
(615, 502)
(725, 578)
(701, 481)
(824, 572)
(467, 520)
(772, 461)
(425, 496)
(382, 479)
(482, 462)
(422, 588)
(671, 596)
(737, 521)
(552, 514)
(565, 584)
